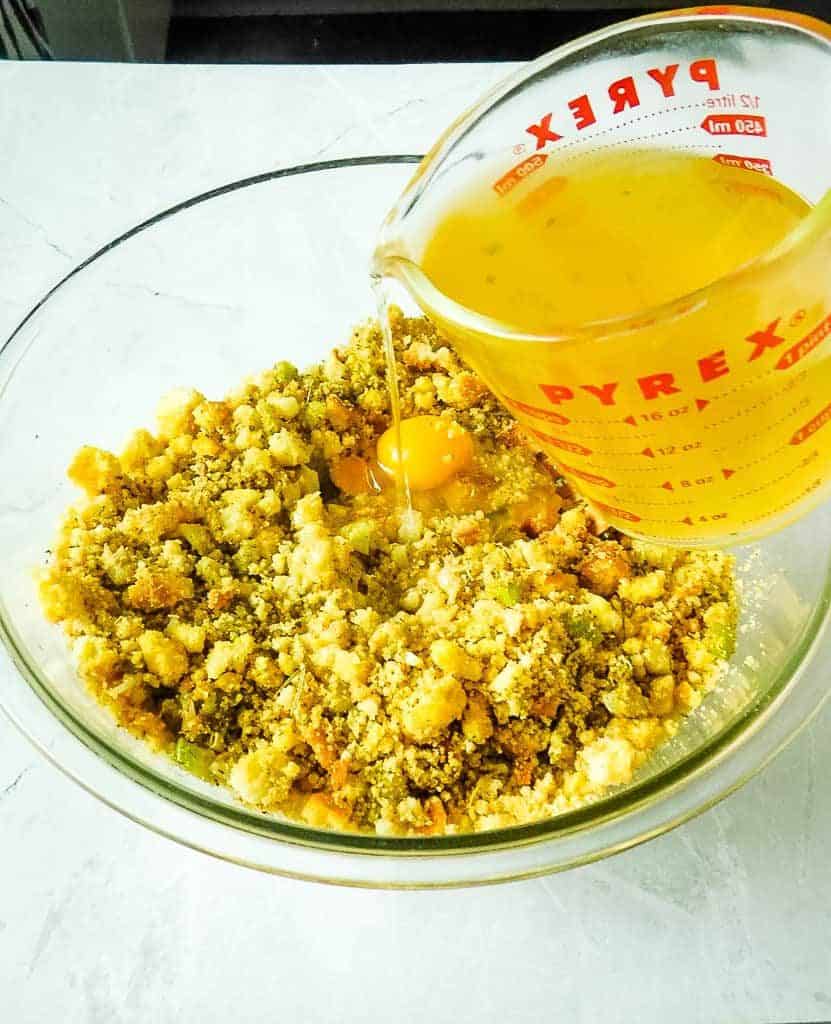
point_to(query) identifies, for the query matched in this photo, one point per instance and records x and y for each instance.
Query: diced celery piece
(285, 371)
(581, 626)
(194, 759)
(359, 535)
(508, 593)
(315, 413)
(720, 640)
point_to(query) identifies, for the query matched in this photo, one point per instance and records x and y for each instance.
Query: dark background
(405, 31)
(312, 31)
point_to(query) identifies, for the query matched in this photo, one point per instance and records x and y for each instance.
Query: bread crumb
(484, 660)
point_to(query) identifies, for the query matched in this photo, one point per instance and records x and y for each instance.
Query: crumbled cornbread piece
(243, 592)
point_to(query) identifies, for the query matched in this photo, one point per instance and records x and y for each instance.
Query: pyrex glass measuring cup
(706, 419)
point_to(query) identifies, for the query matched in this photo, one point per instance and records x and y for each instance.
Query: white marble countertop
(725, 919)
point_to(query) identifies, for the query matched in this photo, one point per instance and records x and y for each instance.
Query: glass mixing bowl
(227, 283)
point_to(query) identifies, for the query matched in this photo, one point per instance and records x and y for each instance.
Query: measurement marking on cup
(812, 486)
(681, 485)
(657, 468)
(793, 411)
(732, 100)
(694, 521)
(812, 426)
(735, 124)
(747, 163)
(686, 521)
(644, 117)
(807, 345)
(755, 434)
(744, 384)
(591, 478)
(752, 408)
(638, 502)
(653, 453)
(585, 148)
(669, 449)
(766, 429)
(747, 465)
(549, 415)
(641, 436)
(788, 386)
(648, 452)
(700, 481)
(559, 442)
(704, 481)
(652, 135)
(784, 476)
(620, 513)
(519, 173)
(626, 419)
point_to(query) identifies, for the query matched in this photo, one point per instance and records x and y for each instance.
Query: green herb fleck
(581, 626)
(508, 594)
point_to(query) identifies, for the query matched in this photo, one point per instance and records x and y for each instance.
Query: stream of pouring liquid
(404, 503)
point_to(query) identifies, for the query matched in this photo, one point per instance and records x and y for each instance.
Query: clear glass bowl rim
(225, 822)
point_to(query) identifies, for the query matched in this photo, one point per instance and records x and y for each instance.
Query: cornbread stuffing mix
(242, 591)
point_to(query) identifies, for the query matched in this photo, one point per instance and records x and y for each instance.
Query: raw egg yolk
(433, 450)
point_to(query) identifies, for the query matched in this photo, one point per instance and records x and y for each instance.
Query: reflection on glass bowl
(226, 284)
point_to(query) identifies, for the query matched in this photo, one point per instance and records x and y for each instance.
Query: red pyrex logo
(707, 368)
(624, 94)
